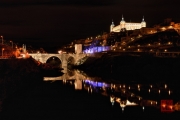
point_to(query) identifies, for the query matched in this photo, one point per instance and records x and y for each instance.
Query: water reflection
(131, 94)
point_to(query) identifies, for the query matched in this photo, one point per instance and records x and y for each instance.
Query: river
(78, 96)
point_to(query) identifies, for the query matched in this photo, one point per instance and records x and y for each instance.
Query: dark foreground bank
(18, 75)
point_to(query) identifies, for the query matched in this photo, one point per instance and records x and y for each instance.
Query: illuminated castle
(127, 25)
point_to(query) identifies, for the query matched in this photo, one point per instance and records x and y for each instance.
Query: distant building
(127, 25)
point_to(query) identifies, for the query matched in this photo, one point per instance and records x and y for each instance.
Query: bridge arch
(66, 59)
(54, 61)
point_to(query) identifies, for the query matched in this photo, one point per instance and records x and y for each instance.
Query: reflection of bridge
(140, 95)
(64, 59)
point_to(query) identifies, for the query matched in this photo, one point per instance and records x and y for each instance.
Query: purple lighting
(96, 84)
(97, 49)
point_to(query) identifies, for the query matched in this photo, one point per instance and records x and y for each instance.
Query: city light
(2, 51)
(60, 51)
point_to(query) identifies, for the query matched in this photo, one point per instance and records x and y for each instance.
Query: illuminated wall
(127, 25)
(97, 49)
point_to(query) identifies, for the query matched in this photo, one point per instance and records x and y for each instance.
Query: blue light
(96, 84)
(97, 49)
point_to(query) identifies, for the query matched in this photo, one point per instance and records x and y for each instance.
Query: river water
(78, 96)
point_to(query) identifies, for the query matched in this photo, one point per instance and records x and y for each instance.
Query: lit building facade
(127, 25)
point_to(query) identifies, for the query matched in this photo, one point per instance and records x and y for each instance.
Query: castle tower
(112, 26)
(143, 23)
(122, 23)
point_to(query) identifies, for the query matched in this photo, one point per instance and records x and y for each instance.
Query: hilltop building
(127, 25)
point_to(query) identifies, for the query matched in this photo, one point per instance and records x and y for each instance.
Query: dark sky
(53, 23)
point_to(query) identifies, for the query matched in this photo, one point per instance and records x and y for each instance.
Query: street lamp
(2, 51)
(2, 39)
(12, 43)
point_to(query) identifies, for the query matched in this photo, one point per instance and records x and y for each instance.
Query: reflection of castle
(127, 26)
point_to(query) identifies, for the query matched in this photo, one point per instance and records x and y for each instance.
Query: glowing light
(91, 90)
(123, 105)
(129, 87)
(165, 50)
(165, 86)
(159, 91)
(149, 90)
(169, 92)
(151, 86)
(124, 86)
(139, 89)
(112, 99)
(60, 52)
(163, 105)
(171, 107)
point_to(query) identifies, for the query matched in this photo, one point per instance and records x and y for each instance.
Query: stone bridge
(64, 59)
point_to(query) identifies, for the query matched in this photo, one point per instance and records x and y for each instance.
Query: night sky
(53, 23)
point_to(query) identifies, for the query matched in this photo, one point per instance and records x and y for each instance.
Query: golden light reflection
(169, 92)
(88, 89)
(165, 86)
(139, 89)
(91, 90)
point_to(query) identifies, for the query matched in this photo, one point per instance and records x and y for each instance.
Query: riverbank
(126, 67)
